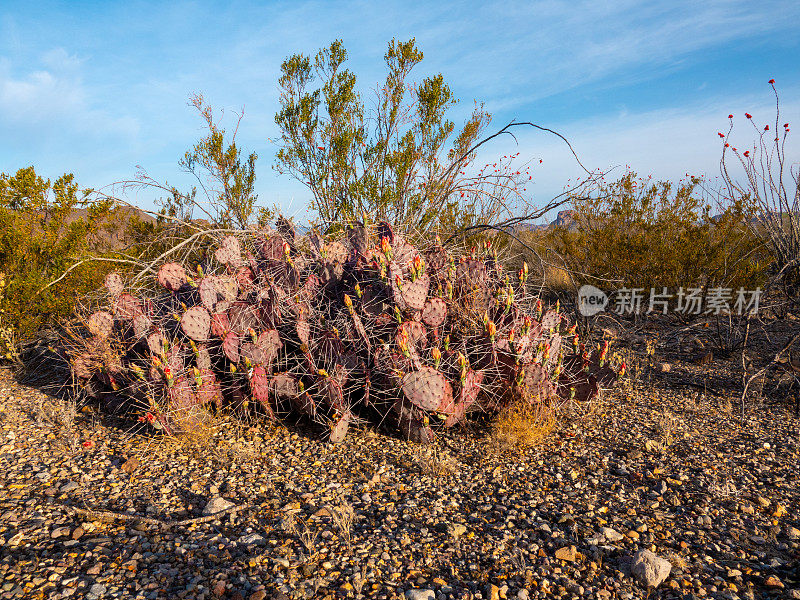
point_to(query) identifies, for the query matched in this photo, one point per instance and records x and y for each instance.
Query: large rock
(650, 570)
(216, 505)
(425, 594)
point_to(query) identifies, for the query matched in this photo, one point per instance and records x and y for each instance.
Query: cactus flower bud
(398, 315)
(399, 282)
(527, 324)
(253, 335)
(491, 330)
(447, 343)
(462, 361)
(233, 368)
(419, 265)
(386, 247)
(323, 373)
(622, 369)
(348, 302)
(437, 357)
(359, 293)
(603, 353)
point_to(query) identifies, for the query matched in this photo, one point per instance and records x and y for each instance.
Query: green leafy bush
(46, 228)
(639, 233)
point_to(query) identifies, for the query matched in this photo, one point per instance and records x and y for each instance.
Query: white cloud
(54, 100)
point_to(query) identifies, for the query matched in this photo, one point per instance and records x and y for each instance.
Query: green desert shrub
(638, 233)
(46, 228)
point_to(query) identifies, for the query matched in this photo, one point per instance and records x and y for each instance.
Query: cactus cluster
(366, 327)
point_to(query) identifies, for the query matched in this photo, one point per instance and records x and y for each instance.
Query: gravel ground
(674, 471)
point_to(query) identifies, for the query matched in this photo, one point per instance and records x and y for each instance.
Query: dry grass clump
(522, 425)
(558, 279)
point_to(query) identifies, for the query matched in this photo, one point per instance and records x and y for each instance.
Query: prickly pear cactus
(364, 327)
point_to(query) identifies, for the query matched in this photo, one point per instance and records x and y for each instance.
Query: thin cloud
(55, 96)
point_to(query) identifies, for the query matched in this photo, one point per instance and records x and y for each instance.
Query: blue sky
(97, 88)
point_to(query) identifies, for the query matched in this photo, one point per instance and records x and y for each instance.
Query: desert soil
(657, 465)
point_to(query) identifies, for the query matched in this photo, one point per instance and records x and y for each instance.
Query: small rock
(567, 553)
(258, 595)
(523, 594)
(60, 532)
(664, 367)
(68, 487)
(793, 533)
(456, 530)
(650, 570)
(97, 590)
(219, 588)
(773, 582)
(252, 538)
(15, 540)
(216, 505)
(492, 592)
(424, 594)
(130, 465)
(611, 535)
